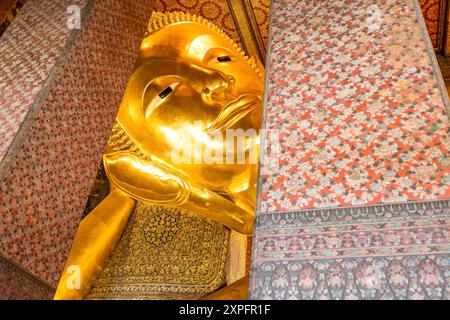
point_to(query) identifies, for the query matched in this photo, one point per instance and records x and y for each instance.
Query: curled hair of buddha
(160, 20)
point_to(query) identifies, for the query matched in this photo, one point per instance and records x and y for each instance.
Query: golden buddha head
(191, 80)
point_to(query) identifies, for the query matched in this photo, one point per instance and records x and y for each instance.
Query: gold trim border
(442, 26)
(245, 21)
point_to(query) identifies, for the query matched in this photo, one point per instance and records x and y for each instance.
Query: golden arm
(94, 241)
(154, 184)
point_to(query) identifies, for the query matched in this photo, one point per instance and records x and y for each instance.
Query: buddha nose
(219, 89)
(231, 82)
(216, 85)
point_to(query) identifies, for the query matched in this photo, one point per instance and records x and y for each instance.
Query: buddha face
(189, 87)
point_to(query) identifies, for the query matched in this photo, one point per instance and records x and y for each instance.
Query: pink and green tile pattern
(59, 99)
(358, 206)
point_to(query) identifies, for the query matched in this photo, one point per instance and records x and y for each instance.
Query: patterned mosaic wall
(358, 206)
(20, 83)
(52, 167)
(18, 284)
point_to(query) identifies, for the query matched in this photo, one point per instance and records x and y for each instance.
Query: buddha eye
(151, 98)
(224, 59)
(165, 92)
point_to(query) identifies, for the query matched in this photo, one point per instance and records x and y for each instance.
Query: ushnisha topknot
(159, 20)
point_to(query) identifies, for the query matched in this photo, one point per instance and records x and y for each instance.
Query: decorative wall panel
(248, 29)
(261, 12)
(215, 11)
(58, 106)
(358, 206)
(5, 8)
(447, 34)
(165, 253)
(8, 11)
(434, 15)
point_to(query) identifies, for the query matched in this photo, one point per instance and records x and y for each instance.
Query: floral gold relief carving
(165, 253)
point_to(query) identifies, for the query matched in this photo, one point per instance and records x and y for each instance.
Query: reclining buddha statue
(175, 144)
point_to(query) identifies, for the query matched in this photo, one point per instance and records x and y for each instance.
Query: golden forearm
(152, 183)
(217, 208)
(96, 237)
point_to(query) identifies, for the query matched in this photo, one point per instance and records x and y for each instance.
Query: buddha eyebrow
(166, 92)
(223, 58)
